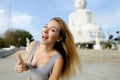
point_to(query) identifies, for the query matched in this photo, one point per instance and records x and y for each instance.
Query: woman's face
(50, 32)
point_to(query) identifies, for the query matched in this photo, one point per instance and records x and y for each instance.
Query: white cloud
(17, 21)
(21, 20)
(3, 21)
(1, 11)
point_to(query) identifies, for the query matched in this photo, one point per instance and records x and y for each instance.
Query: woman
(54, 56)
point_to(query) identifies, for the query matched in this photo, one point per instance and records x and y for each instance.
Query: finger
(20, 60)
(18, 69)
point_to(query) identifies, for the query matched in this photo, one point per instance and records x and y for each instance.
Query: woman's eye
(52, 30)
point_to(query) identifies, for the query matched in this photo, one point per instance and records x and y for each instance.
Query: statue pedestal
(97, 46)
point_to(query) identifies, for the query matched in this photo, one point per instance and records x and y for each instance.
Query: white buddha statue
(82, 24)
(81, 15)
(27, 43)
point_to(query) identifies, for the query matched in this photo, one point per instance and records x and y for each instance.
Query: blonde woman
(54, 56)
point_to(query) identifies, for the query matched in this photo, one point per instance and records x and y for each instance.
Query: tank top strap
(32, 52)
(52, 61)
(55, 57)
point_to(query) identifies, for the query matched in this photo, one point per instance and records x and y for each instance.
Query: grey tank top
(43, 72)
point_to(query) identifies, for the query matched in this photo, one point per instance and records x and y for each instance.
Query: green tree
(2, 43)
(17, 37)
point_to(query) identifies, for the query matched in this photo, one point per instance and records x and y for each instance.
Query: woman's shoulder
(33, 43)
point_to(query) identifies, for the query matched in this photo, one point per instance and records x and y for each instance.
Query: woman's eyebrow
(54, 27)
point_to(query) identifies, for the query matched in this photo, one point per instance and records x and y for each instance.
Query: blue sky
(31, 15)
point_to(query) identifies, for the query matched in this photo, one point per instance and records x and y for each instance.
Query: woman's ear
(59, 39)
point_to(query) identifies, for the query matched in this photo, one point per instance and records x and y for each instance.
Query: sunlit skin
(49, 35)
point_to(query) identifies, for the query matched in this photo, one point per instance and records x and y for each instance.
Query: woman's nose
(46, 30)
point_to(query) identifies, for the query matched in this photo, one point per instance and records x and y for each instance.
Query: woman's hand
(20, 66)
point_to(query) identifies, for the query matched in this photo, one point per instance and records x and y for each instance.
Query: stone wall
(6, 52)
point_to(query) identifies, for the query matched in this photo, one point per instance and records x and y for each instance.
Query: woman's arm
(22, 64)
(57, 69)
(29, 51)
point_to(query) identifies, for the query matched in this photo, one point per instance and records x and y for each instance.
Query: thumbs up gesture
(20, 66)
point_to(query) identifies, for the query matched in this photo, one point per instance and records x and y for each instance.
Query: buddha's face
(80, 4)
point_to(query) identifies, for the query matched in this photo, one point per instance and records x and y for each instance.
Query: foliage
(110, 36)
(16, 37)
(109, 43)
(2, 43)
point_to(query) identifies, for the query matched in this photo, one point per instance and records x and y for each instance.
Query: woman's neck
(46, 48)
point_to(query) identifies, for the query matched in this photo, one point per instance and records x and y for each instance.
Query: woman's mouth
(45, 37)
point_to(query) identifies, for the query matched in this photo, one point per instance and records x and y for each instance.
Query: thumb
(20, 60)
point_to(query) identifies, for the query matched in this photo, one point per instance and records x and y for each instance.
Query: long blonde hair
(68, 50)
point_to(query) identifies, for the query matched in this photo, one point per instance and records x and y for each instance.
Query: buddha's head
(80, 4)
